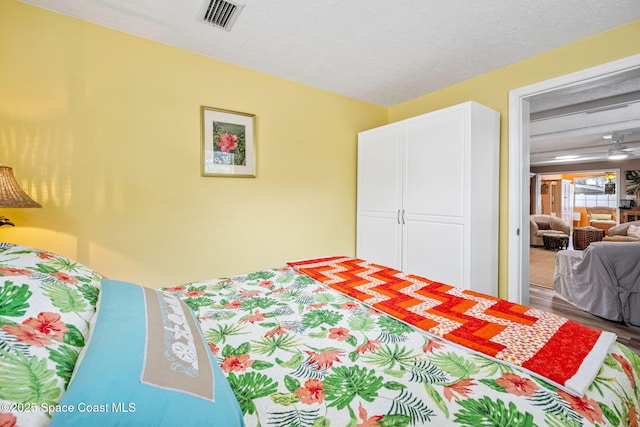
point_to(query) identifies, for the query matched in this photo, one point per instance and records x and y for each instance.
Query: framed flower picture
(228, 143)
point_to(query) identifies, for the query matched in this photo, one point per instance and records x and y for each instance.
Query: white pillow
(633, 231)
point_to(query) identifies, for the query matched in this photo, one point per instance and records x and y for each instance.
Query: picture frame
(632, 182)
(228, 143)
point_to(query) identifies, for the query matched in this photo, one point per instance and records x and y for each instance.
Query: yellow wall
(492, 89)
(103, 129)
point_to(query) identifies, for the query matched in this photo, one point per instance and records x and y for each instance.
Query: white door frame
(519, 149)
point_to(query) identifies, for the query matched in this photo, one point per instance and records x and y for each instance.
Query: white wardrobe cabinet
(428, 196)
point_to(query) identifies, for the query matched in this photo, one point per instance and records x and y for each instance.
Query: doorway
(519, 165)
(587, 188)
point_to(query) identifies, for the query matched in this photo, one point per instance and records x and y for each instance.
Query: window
(590, 191)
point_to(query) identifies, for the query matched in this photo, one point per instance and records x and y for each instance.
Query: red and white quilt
(561, 351)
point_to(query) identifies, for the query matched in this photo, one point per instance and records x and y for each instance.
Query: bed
(286, 347)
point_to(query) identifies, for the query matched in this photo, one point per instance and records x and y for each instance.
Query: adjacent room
(246, 213)
(583, 189)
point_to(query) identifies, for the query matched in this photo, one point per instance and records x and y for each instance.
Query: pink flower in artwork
(324, 359)
(14, 272)
(27, 335)
(266, 283)
(176, 289)
(228, 142)
(339, 334)
(312, 392)
(49, 324)
(66, 278)
(585, 406)
(462, 387)
(517, 385)
(236, 363)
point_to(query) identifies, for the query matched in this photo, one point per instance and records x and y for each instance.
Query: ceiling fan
(613, 145)
(618, 151)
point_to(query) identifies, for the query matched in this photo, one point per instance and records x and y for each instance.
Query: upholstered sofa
(603, 280)
(539, 225)
(619, 233)
(602, 217)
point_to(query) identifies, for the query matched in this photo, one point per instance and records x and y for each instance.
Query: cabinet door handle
(398, 216)
(404, 216)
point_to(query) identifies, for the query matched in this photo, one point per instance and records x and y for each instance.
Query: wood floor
(546, 299)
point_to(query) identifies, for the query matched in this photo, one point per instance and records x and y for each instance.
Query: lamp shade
(11, 195)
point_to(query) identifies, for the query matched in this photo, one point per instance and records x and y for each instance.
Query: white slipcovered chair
(603, 280)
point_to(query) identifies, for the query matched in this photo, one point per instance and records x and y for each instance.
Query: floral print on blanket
(46, 304)
(299, 354)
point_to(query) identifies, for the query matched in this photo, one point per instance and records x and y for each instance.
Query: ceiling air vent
(221, 13)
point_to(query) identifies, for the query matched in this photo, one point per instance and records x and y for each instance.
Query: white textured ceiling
(383, 52)
(572, 121)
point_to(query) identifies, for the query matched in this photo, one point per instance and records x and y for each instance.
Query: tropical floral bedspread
(299, 354)
(525, 337)
(46, 304)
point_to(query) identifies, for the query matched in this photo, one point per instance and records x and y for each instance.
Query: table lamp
(11, 195)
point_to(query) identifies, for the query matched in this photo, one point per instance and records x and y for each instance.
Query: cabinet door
(434, 234)
(435, 164)
(435, 250)
(379, 231)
